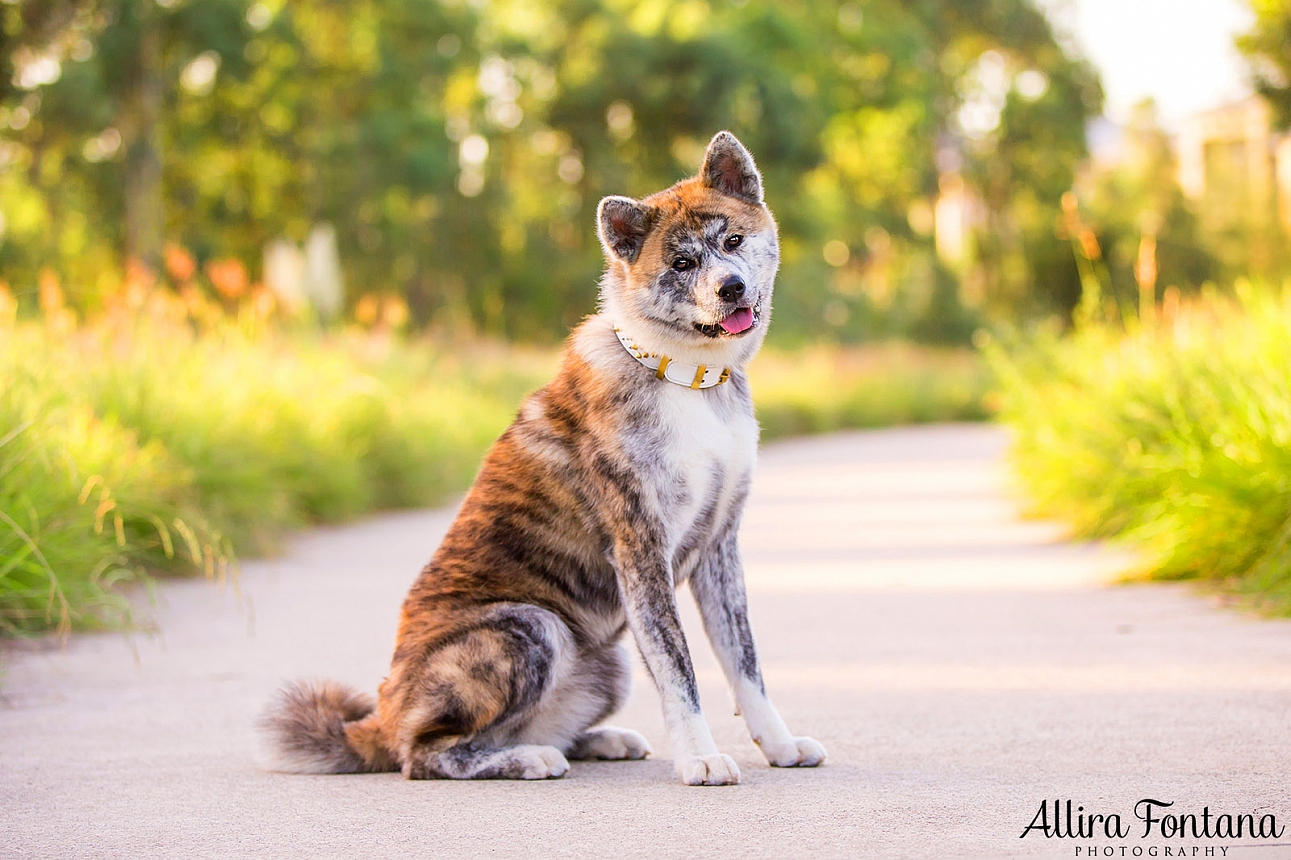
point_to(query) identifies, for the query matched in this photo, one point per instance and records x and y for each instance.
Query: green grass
(148, 442)
(822, 389)
(139, 447)
(1173, 435)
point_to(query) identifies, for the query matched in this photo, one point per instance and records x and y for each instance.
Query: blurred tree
(460, 149)
(324, 111)
(1268, 45)
(92, 88)
(1018, 136)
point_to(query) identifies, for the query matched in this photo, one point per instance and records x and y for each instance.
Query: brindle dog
(620, 480)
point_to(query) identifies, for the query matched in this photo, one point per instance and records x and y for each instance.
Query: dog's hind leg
(463, 712)
(464, 761)
(596, 687)
(610, 743)
(604, 679)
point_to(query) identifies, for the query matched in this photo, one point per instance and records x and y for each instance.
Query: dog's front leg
(649, 600)
(718, 587)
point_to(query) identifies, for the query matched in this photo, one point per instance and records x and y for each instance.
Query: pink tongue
(738, 321)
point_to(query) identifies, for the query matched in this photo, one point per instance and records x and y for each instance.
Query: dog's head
(690, 269)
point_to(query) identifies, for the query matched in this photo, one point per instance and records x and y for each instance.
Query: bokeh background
(266, 264)
(452, 153)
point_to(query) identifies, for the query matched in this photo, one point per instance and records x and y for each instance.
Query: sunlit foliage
(460, 148)
(1266, 45)
(1171, 431)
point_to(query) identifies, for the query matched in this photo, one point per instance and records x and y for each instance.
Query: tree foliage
(1268, 45)
(460, 148)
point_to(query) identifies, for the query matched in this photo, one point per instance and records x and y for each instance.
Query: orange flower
(263, 302)
(365, 311)
(179, 263)
(51, 293)
(394, 312)
(58, 317)
(1089, 244)
(8, 305)
(139, 282)
(228, 276)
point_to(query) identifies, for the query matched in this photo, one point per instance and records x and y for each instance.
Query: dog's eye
(733, 241)
(681, 264)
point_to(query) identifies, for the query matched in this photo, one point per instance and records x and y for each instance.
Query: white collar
(689, 375)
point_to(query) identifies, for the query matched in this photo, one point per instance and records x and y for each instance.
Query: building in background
(1236, 168)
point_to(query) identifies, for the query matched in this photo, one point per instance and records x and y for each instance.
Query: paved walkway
(960, 666)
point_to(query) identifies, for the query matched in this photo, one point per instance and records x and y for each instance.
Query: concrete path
(960, 666)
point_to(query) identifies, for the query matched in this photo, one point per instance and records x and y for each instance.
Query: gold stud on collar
(690, 375)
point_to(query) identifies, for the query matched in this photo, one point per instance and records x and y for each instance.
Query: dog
(620, 480)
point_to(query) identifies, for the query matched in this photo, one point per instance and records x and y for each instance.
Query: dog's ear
(729, 168)
(622, 223)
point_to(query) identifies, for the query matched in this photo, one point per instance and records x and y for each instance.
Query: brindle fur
(610, 489)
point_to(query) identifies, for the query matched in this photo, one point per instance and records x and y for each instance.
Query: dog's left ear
(729, 168)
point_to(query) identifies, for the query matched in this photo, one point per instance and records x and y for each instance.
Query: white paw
(708, 770)
(793, 752)
(614, 744)
(540, 762)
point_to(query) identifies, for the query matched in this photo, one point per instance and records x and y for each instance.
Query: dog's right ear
(622, 223)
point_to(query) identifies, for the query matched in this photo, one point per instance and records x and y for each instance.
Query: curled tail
(323, 727)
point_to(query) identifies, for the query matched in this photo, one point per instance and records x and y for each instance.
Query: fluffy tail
(322, 727)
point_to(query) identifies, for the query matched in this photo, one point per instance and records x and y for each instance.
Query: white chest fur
(709, 455)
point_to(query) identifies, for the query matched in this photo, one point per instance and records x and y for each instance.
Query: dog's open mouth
(737, 322)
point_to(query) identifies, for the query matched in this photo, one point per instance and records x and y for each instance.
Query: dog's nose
(731, 289)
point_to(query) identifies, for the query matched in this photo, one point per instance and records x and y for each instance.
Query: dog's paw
(708, 770)
(612, 744)
(533, 761)
(794, 752)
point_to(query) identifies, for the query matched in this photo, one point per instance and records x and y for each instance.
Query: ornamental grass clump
(166, 433)
(1171, 431)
